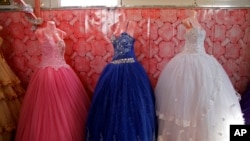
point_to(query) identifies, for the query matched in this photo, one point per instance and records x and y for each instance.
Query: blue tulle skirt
(123, 106)
(245, 105)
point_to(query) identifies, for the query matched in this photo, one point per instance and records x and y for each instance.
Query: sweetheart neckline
(124, 32)
(192, 29)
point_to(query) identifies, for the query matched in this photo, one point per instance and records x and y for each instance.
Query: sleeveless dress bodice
(123, 47)
(194, 39)
(53, 53)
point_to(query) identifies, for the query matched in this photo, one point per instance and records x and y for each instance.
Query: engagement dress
(195, 100)
(56, 104)
(123, 106)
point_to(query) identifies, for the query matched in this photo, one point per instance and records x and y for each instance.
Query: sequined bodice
(53, 53)
(123, 47)
(194, 42)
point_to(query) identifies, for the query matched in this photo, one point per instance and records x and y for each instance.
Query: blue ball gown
(245, 105)
(123, 107)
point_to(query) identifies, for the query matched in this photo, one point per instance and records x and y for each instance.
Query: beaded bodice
(194, 42)
(123, 47)
(52, 53)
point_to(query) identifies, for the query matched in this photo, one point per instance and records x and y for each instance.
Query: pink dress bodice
(52, 52)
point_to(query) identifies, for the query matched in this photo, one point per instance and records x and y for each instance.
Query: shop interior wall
(159, 36)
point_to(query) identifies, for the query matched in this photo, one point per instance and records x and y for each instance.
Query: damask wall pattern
(159, 37)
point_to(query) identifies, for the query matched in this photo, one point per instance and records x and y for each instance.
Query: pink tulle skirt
(54, 108)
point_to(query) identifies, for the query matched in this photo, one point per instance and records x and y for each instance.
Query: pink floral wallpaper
(159, 36)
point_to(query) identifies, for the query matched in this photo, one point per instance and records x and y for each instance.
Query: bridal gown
(56, 104)
(195, 99)
(123, 106)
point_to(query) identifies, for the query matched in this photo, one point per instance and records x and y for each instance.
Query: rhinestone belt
(125, 60)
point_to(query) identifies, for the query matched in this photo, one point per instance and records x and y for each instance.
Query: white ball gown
(195, 99)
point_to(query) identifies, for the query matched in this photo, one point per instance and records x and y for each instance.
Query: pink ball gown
(56, 103)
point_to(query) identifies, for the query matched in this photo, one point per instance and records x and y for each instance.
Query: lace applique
(194, 42)
(123, 44)
(177, 121)
(238, 95)
(53, 53)
(62, 46)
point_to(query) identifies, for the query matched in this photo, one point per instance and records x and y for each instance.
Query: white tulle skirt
(195, 100)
